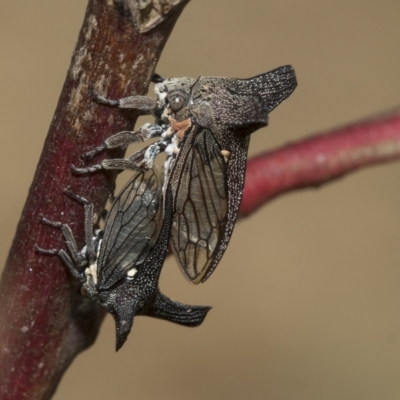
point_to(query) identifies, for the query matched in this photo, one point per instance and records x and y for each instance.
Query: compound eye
(176, 101)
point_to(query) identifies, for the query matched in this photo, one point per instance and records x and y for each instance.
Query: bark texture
(44, 322)
(314, 161)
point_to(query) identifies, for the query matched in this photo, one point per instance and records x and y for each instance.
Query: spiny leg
(80, 276)
(122, 140)
(145, 105)
(142, 103)
(78, 258)
(89, 221)
(143, 159)
(120, 164)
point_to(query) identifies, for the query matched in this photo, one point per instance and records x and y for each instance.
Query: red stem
(320, 158)
(44, 321)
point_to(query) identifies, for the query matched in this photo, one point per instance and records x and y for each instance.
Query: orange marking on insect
(180, 127)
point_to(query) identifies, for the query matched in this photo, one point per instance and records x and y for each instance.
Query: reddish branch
(44, 321)
(320, 159)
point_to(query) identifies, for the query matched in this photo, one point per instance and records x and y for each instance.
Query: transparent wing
(131, 229)
(200, 204)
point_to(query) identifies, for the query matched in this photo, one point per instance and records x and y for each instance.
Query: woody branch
(44, 321)
(321, 158)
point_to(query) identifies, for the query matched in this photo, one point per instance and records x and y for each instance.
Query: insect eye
(176, 101)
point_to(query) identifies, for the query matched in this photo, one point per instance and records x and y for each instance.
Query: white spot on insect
(24, 329)
(191, 102)
(176, 99)
(167, 165)
(169, 150)
(165, 114)
(150, 155)
(161, 94)
(226, 154)
(167, 134)
(92, 270)
(40, 365)
(88, 273)
(98, 248)
(131, 273)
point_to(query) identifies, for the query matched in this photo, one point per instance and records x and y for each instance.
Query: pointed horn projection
(170, 310)
(141, 295)
(122, 264)
(123, 312)
(275, 86)
(272, 87)
(247, 102)
(124, 308)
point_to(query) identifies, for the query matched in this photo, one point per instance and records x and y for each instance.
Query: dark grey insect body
(205, 126)
(120, 267)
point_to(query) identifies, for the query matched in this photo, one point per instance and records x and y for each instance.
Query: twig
(44, 322)
(321, 158)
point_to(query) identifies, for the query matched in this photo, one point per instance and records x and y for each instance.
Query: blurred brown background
(306, 302)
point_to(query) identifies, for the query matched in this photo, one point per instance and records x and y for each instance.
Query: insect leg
(151, 154)
(80, 276)
(122, 139)
(143, 159)
(143, 103)
(90, 241)
(113, 164)
(140, 160)
(170, 310)
(78, 258)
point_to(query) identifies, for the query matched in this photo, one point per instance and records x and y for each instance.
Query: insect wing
(131, 229)
(198, 182)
